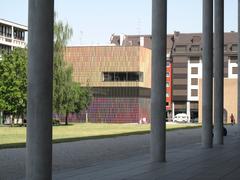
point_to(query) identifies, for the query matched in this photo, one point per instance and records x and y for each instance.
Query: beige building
(230, 99)
(120, 78)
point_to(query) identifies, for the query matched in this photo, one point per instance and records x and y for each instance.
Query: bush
(56, 122)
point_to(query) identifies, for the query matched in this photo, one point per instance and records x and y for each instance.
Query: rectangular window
(180, 48)
(194, 59)
(195, 48)
(167, 94)
(167, 74)
(233, 59)
(234, 47)
(167, 84)
(235, 70)
(194, 81)
(122, 76)
(194, 92)
(225, 47)
(168, 64)
(194, 70)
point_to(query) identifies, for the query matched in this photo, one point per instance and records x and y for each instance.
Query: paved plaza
(128, 158)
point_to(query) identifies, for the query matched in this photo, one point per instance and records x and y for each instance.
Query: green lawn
(16, 136)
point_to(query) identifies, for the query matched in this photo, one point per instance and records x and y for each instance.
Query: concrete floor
(128, 158)
(186, 162)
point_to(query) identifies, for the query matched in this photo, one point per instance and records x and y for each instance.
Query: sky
(94, 21)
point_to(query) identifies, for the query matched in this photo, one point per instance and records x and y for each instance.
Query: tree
(68, 96)
(62, 33)
(13, 82)
(83, 98)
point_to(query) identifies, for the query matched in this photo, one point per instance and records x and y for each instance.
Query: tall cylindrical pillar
(40, 74)
(218, 71)
(158, 90)
(238, 106)
(207, 89)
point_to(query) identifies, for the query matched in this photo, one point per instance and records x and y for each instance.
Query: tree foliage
(68, 96)
(61, 73)
(13, 82)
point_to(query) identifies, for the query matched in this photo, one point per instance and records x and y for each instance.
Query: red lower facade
(115, 110)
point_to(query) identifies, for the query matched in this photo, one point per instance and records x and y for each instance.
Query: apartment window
(180, 48)
(167, 74)
(234, 47)
(167, 84)
(235, 70)
(225, 47)
(233, 59)
(167, 94)
(19, 34)
(167, 103)
(1, 29)
(195, 48)
(168, 64)
(194, 59)
(122, 76)
(194, 92)
(194, 81)
(194, 70)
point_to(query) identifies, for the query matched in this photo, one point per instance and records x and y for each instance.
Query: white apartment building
(12, 35)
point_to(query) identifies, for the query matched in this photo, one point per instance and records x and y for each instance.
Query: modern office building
(12, 35)
(186, 62)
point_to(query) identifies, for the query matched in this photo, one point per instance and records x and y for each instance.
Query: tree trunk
(12, 120)
(66, 118)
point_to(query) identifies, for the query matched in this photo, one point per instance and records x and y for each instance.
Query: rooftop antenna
(81, 37)
(139, 25)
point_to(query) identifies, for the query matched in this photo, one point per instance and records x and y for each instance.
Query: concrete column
(189, 111)
(158, 90)
(218, 71)
(173, 110)
(238, 106)
(40, 72)
(207, 90)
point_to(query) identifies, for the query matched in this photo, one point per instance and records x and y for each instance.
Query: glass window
(194, 92)
(225, 47)
(167, 74)
(122, 76)
(194, 70)
(235, 70)
(180, 48)
(195, 48)
(234, 47)
(194, 81)
(194, 59)
(167, 84)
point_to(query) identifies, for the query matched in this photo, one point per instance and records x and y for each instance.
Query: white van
(181, 118)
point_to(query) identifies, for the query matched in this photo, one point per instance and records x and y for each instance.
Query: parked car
(181, 118)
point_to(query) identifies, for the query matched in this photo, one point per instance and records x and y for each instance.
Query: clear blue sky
(93, 21)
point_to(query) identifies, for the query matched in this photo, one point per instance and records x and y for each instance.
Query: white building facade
(12, 35)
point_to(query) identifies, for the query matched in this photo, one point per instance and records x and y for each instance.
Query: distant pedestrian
(232, 119)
